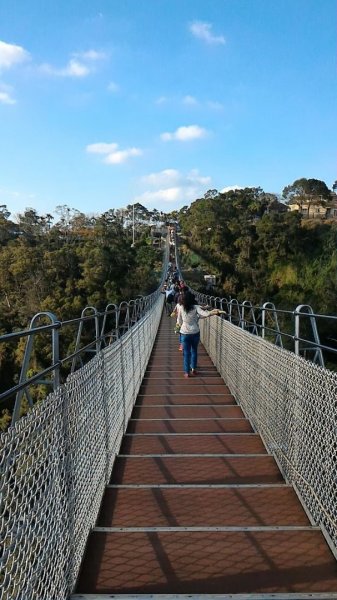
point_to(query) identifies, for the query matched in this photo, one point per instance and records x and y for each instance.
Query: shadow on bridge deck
(196, 505)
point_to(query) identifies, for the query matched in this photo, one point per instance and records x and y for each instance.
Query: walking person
(175, 312)
(169, 292)
(188, 317)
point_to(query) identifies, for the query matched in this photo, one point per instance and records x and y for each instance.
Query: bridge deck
(196, 504)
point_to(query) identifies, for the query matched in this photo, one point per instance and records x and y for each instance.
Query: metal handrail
(311, 344)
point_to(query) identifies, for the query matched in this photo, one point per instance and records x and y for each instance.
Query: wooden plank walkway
(195, 504)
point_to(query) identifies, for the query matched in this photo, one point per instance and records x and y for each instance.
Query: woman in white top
(188, 317)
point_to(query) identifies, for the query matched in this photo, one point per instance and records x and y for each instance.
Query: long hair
(188, 301)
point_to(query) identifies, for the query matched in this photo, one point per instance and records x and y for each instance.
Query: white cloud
(178, 195)
(74, 68)
(91, 55)
(101, 148)
(173, 187)
(113, 155)
(113, 87)
(231, 188)
(162, 195)
(120, 156)
(81, 64)
(173, 177)
(185, 134)
(194, 177)
(190, 101)
(6, 98)
(203, 31)
(11, 55)
(167, 177)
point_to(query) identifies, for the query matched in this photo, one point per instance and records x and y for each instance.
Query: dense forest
(64, 266)
(77, 261)
(257, 249)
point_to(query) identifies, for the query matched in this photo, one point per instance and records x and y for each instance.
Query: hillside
(260, 254)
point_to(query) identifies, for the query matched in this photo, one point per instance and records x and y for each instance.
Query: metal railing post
(55, 381)
(110, 308)
(95, 315)
(266, 308)
(305, 309)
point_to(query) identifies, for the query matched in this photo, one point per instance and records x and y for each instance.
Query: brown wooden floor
(195, 504)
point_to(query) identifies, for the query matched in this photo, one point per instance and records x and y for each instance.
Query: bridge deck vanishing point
(195, 504)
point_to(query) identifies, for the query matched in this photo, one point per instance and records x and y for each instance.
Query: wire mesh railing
(56, 461)
(291, 403)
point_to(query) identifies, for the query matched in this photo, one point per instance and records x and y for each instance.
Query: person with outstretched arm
(188, 317)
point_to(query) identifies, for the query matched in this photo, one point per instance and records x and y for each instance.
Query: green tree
(303, 190)
(8, 230)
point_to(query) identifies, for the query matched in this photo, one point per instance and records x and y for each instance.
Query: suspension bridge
(130, 481)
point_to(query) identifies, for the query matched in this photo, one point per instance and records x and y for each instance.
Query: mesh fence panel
(292, 404)
(34, 503)
(56, 461)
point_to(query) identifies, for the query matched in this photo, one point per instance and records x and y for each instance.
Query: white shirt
(188, 321)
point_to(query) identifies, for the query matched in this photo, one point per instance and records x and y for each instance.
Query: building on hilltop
(316, 208)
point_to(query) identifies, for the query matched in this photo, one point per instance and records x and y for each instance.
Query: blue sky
(104, 103)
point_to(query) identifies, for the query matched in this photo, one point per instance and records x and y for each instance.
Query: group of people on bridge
(180, 303)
